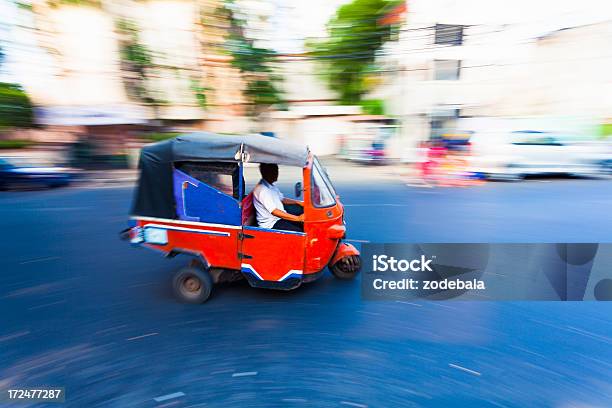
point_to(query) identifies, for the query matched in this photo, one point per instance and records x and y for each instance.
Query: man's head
(269, 172)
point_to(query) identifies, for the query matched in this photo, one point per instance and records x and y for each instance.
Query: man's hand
(286, 216)
(289, 201)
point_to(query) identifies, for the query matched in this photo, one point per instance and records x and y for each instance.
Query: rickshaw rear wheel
(347, 267)
(192, 285)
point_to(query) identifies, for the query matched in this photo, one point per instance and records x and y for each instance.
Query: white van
(514, 155)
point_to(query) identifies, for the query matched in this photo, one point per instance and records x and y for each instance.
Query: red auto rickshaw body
(210, 225)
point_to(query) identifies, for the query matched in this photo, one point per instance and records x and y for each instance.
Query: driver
(268, 201)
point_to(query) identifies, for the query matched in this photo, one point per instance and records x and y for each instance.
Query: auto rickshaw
(182, 207)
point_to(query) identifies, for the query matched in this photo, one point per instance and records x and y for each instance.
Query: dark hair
(266, 167)
(269, 172)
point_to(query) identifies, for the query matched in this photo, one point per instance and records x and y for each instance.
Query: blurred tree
(92, 3)
(262, 86)
(24, 6)
(213, 25)
(136, 63)
(373, 106)
(15, 107)
(355, 35)
(199, 92)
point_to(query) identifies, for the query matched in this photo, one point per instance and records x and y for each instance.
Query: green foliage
(132, 51)
(262, 86)
(247, 57)
(373, 106)
(137, 59)
(200, 93)
(92, 3)
(605, 131)
(262, 92)
(15, 144)
(15, 107)
(348, 55)
(159, 136)
(138, 55)
(24, 6)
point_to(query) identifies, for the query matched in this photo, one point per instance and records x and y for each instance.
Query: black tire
(192, 285)
(347, 267)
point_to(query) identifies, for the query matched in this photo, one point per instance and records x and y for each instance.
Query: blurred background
(454, 92)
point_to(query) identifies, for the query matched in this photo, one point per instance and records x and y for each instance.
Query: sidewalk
(339, 171)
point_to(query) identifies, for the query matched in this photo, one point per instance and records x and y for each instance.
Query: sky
(292, 21)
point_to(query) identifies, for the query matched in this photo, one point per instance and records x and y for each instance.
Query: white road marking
(589, 334)
(169, 396)
(409, 303)
(47, 304)
(353, 404)
(143, 336)
(467, 370)
(14, 335)
(48, 258)
(244, 374)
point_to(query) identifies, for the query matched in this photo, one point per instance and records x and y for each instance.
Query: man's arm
(290, 201)
(268, 202)
(286, 216)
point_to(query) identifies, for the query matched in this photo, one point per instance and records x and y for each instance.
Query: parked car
(514, 155)
(19, 172)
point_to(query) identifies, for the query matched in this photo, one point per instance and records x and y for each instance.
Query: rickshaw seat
(248, 211)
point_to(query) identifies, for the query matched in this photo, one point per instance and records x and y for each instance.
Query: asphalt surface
(83, 310)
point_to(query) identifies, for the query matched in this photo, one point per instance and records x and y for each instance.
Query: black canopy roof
(154, 196)
(204, 146)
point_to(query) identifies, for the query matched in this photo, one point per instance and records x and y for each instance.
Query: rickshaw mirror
(298, 189)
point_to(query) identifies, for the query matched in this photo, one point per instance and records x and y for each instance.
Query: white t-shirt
(267, 198)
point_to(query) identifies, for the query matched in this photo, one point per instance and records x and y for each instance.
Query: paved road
(83, 310)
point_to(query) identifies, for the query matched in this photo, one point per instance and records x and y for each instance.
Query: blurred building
(70, 59)
(225, 111)
(461, 65)
(313, 116)
(86, 60)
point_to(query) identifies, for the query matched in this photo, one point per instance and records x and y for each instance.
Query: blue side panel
(181, 181)
(197, 201)
(241, 181)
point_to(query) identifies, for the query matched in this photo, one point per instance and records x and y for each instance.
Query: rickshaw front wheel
(192, 285)
(347, 267)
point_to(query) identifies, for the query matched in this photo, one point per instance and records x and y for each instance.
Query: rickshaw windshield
(323, 193)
